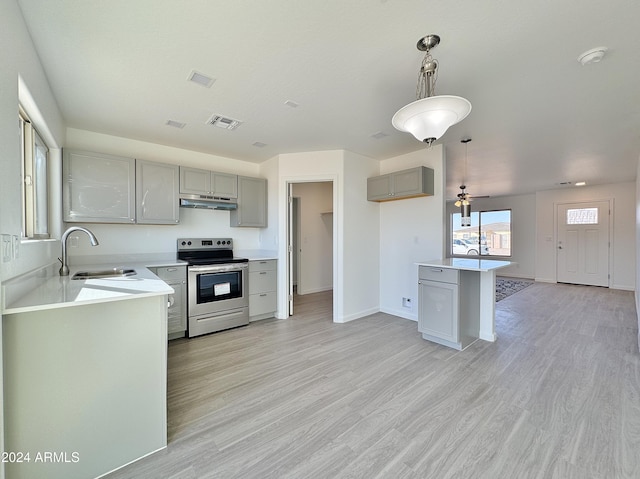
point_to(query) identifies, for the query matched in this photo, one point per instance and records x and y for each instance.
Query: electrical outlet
(7, 254)
(406, 303)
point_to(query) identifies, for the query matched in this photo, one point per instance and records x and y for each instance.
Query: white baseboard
(315, 290)
(406, 314)
(358, 315)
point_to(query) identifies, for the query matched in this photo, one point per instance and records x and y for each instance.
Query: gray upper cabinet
(252, 203)
(194, 181)
(401, 184)
(98, 188)
(157, 199)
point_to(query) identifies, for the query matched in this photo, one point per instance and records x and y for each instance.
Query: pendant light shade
(430, 116)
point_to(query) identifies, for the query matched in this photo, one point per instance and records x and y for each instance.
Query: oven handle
(218, 268)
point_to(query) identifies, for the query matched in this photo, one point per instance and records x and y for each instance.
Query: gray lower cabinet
(445, 306)
(176, 277)
(157, 198)
(262, 289)
(252, 203)
(98, 188)
(399, 185)
(194, 181)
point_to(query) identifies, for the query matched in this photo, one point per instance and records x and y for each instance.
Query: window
(35, 191)
(582, 216)
(488, 235)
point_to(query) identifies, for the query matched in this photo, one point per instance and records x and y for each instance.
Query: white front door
(583, 243)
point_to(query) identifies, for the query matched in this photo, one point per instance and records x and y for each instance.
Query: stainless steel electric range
(217, 290)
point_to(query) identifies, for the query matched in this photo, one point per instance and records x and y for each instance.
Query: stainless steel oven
(217, 290)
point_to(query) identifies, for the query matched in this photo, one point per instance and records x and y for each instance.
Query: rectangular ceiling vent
(224, 122)
(201, 79)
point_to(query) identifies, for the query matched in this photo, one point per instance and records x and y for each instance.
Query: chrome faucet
(64, 269)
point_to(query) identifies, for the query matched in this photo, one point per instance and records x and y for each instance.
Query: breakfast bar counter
(464, 288)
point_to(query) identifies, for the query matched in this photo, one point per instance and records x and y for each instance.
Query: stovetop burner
(202, 251)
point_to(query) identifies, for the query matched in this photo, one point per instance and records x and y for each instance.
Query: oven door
(216, 288)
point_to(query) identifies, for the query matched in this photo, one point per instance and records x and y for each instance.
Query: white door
(583, 243)
(290, 252)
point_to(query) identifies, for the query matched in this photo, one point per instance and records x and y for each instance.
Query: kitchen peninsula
(457, 300)
(89, 370)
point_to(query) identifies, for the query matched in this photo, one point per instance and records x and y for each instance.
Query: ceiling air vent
(224, 122)
(201, 79)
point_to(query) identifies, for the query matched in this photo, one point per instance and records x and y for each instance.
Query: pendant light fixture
(429, 117)
(463, 197)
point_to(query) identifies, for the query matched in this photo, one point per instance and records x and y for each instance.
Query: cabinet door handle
(172, 269)
(263, 294)
(263, 272)
(436, 270)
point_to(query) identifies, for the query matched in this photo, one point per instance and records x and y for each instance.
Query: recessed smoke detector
(224, 122)
(259, 144)
(592, 56)
(175, 124)
(201, 79)
(291, 104)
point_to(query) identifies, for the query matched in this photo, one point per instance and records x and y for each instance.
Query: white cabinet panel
(401, 184)
(176, 277)
(98, 188)
(262, 289)
(448, 306)
(157, 199)
(252, 203)
(195, 181)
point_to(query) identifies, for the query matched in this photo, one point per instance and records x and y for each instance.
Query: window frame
(36, 218)
(478, 226)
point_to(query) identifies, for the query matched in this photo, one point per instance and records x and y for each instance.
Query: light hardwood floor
(557, 396)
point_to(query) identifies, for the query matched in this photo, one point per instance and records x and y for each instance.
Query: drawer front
(262, 281)
(262, 265)
(262, 303)
(433, 273)
(172, 272)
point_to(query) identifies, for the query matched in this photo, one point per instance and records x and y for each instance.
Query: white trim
(283, 269)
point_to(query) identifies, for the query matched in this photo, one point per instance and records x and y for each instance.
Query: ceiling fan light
(458, 203)
(431, 117)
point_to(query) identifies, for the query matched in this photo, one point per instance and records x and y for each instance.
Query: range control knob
(189, 243)
(183, 243)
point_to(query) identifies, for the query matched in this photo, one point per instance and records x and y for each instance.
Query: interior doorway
(583, 243)
(311, 240)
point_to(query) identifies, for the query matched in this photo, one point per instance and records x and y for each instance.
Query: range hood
(208, 202)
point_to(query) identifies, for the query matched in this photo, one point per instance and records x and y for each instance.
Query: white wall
(354, 222)
(411, 230)
(134, 239)
(19, 59)
(637, 247)
(623, 236)
(316, 236)
(523, 230)
(361, 233)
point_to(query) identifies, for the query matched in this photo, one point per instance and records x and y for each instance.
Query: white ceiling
(539, 118)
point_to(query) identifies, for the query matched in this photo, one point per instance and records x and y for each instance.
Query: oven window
(219, 286)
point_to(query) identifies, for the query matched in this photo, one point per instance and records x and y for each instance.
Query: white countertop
(46, 289)
(467, 264)
(256, 254)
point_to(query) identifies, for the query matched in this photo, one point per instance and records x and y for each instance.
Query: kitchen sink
(104, 273)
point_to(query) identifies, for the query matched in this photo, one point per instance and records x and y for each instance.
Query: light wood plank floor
(557, 396)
